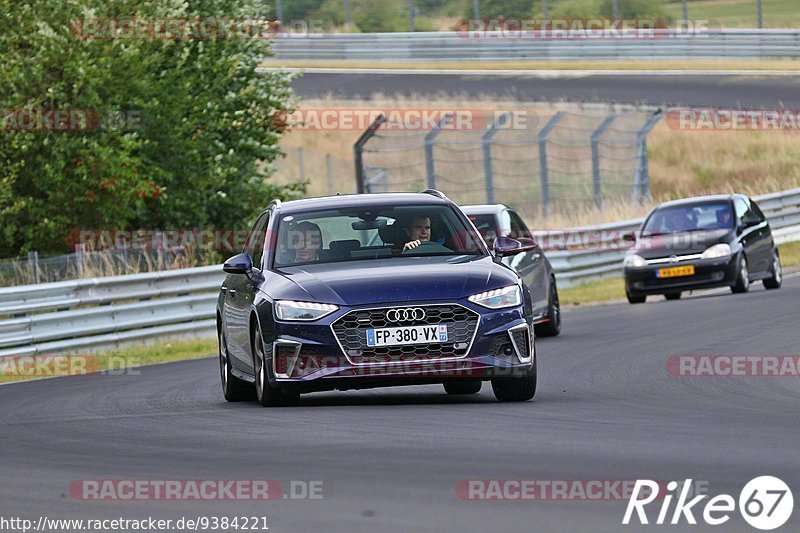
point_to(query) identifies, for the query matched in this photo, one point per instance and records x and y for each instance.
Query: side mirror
(239, 264)
(748, 221)
(504, 246)
(629, 237)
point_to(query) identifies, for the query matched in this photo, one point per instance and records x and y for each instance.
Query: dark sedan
(360, 291)
(533, 267)
(701, 243)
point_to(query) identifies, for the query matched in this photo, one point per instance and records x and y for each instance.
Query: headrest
(393, 234)
(342, 249)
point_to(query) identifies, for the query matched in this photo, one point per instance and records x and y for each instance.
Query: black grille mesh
(351, 332)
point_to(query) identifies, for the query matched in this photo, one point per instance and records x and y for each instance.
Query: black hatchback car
(701, 243)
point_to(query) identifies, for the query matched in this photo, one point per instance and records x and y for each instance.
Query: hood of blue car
(394, 280)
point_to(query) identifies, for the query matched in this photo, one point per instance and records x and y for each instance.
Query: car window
(741, 208)
(691, 217)
(486, 226)
(255, 240)
(372, 233)
(757, 211)
(518, 227)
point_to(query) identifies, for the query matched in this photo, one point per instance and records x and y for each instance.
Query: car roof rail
(276, 203)
(434, 192)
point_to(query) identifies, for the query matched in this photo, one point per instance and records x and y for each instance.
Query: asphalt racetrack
(391, 459)
(696, 89)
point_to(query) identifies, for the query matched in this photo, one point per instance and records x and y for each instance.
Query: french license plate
(435, 333)
(675, 272)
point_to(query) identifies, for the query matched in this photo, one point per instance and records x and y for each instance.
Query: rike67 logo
(765, 503)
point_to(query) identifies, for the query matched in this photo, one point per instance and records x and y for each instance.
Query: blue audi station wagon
(372, 290)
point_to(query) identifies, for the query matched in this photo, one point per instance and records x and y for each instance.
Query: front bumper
(708, 273)
(323, 355)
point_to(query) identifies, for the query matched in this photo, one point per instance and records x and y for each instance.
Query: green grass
(614, 289)
(790, 254)
(739, 13)
(593, 292)
(21, 368)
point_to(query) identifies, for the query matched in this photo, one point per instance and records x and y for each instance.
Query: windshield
(363, 233)
(699, 217)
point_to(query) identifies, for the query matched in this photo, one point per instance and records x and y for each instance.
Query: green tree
(197, 155)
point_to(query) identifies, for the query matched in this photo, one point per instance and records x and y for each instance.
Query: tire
(742, 283)
(266, 394)
(552, 327)
(775, 281)
(463, 386)
(673, 295)
(516, 389)
(233, 388)
(635, 297)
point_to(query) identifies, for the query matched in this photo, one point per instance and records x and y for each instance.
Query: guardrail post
(358, 150)
(486, 141)
(641, 181)
(598, 193)
(543, 177)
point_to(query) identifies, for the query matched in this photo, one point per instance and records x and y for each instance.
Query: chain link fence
(561, 159)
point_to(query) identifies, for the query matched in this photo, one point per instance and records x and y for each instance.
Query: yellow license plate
(675, 272)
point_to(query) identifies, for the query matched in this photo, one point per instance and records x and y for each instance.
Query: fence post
(33, 266)
(598, 192)
(358, 150)
(329, 172)
(80, 259)
(641, 180)
(430, 137)
(543, 177)
(760, 17)
(486, 142)
(301, 163)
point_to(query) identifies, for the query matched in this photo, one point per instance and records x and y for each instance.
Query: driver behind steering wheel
(418, 230)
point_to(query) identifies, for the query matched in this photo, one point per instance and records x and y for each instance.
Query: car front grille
(351, 332)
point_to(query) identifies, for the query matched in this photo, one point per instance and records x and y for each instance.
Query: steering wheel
(428, 247)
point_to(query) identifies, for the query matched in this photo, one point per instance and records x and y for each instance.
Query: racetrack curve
(748, 91)
(390, 459)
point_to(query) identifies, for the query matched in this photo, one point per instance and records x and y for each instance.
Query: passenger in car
(308, 243)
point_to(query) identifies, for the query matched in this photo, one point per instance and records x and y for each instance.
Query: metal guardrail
(463, 46)
(101, 312)
(84, 314)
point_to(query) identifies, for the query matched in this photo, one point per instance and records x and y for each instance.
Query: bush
(198, 155)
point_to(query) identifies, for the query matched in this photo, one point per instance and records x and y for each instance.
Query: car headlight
(634, 260)
(289, 310)
(718, 250)
(509, 296)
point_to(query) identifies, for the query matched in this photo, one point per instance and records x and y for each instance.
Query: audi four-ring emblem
(405, 315)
